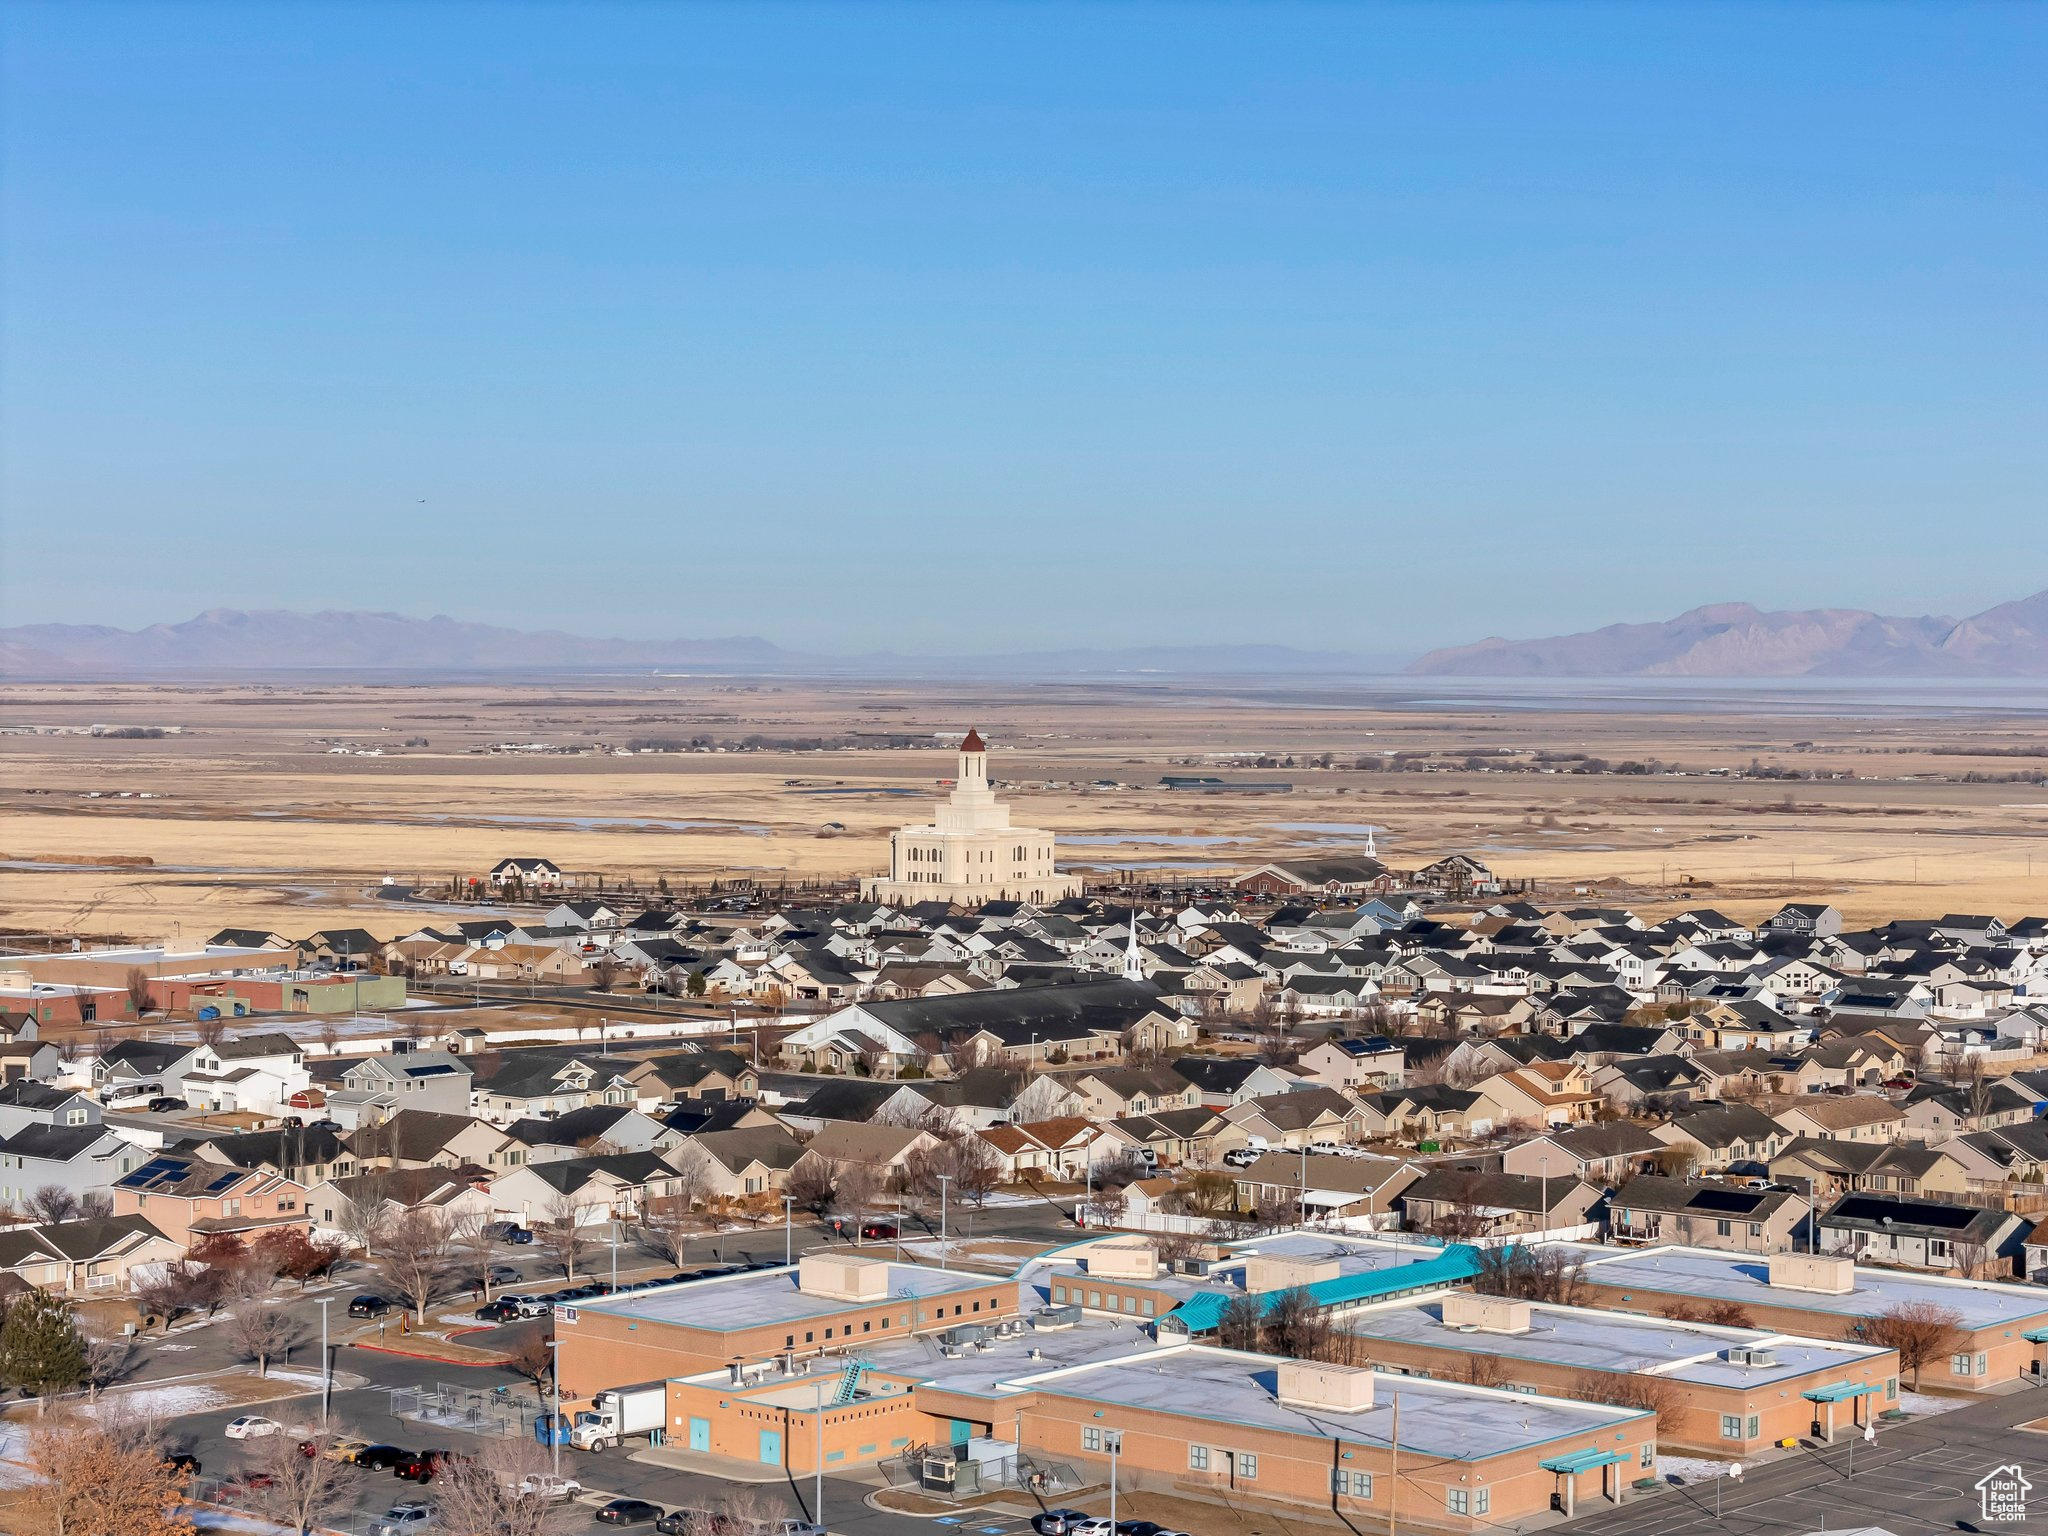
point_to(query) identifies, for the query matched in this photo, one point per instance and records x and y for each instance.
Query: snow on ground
(1920, 1402)
(1690, 1469)
(293, 1375)
(164, 1402)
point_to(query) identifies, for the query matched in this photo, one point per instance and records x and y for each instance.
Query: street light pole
(788, 1229)
(1115, 1440)
(944, 1180)
(555, 1424)
(326, 1365)
(818, 1462)
(1543, 1216)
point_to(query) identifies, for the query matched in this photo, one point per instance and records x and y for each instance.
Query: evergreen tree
(40, 1347)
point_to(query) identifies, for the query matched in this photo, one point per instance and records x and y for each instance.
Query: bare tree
(53, 1202)
(139, 1000)
(1970, 1258)
(810, 1185)
(364, 1210)
(1654, 1394)
(854, 1187)
(329, 1036)
(414, 1256)
(95, 1205)
(297, 1478)
(665, 1227)
(499, 1491)
(472, 1250)
(1680, 1160)
(1920, 1331)
(562, 1233)
(1294, 1324)
(604, 971)
(210, 1030)
(1531, 1274)
(261, 1329)
(531, 1357)
(107, 1361)
(1237, 1325)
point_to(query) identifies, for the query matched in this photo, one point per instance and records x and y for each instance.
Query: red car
(420, 1468)
(886, 1230)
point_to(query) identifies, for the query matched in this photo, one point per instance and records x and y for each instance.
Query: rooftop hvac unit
(1743, 1354)
(1057, 1317)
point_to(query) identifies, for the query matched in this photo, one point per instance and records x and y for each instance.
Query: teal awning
(1840, 1392)
(2036, 1335)
(1458, 1263)
(1586, 1460)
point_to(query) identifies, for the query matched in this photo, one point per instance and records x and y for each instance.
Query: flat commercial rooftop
(1586, 1339)
(1438, 1418)
(1352, 1255)
(976, 1372)
(1707, 1274)
(727, 1303)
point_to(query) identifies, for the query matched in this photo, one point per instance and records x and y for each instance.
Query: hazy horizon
(1016, 328)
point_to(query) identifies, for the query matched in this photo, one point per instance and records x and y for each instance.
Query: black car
(165, 1106)
(382, 1458)
(323, 1125)
(183, 1461)
(1140, 1528)
(628, 1512)
(368, 1306)
(688, 1522)
(499, 1311)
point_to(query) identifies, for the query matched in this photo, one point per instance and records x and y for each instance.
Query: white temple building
(969, 852)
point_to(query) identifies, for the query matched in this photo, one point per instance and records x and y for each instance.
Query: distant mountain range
(231, 640)
(1722, 640)
(1736, 640)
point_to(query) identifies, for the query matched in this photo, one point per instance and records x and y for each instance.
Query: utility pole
(788, 1229)
(945, 1179)
(1394, 1465)
(818, 1462)
(555, 1424)
(326, 1365)
(1114, 1439)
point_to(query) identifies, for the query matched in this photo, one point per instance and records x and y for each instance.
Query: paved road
(1917, 1478)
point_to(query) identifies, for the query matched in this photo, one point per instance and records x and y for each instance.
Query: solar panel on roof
(225, 1181)
(1725, 1200)
(1947, 1217)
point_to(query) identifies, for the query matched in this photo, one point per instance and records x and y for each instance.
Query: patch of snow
(1690, 1469)
(163, 1402)
(294, 1375)
(1920, 1402)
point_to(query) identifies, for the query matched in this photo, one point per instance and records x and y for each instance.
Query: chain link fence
(496, 1412)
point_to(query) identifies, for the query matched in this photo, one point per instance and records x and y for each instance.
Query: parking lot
(1918, 1477)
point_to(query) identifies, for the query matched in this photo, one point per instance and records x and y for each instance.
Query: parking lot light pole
(788, 1229)
(945, 1179)
(818, 1462)
(555, 1424)
(1114, 1439)
(326, 1365)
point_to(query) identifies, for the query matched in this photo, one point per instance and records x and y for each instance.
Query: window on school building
(1247, 1464)
(1091, 1438)
(1352, 1485)
(1731, 1427)
(1198, 1458)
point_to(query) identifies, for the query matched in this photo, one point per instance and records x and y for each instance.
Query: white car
(252, 1426)
(1095, 1527)
(1326, 1149)
(549, 1486)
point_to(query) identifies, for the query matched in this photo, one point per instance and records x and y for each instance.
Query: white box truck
(619, 1412)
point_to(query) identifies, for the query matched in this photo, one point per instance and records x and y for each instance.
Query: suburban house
(81, 1257)
(1603, 1154)
(1705, 1214)
(1367, 1062)
(378, 1087)
(1462, 1203)
(189, 1199)
(1968, 1240)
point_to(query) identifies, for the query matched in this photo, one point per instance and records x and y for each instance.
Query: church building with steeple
(968, 852)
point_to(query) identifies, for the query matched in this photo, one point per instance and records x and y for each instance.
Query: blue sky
(964, 327)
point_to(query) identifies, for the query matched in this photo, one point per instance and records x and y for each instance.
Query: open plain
(287, 801)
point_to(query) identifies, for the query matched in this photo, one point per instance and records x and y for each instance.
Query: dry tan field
(252, 819)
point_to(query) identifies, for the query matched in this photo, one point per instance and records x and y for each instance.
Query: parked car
(628, 1512)
(1094, 1525)
(503, 1310)
(1057, 1522)
(509, 1232)
(251, 1426)
(1240, 1157)
(380, 1458)
(1326, 1149)
(323, 1125)
(165, 1106)
(888, 1231)
(402, 1519)
(1140, 1528)
(242, 1484)
(503, 1274)
(368, 1306)
(347, 1449)
(532, 1306)
(692, 1522)
(183, 1461)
